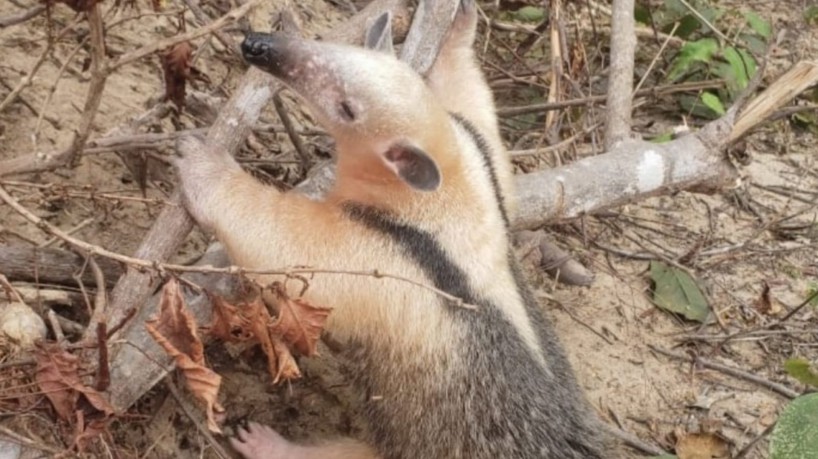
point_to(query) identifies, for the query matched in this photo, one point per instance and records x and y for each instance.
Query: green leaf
(641, 13)
(738, 66)
(529, 14)
(811, 15)
(758, 24)
(693, 105)
(800, 369)
(687, 25)
(662, 138)
(753, 43)
(694, 51)
(675, 291)
(712, 102)
(795, 435)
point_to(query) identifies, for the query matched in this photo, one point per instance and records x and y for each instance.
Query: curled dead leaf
(766, 304)
(297, 327)
(176, 67)
(227, 323)
(58, 376)
(174, 329)
(299, 323)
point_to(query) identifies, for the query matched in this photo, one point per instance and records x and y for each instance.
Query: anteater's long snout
(270, 52)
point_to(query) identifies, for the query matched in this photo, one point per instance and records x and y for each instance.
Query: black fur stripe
(420, 246)
(485, 152)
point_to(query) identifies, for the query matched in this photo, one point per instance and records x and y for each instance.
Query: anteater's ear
(379, 34)
(413, 166)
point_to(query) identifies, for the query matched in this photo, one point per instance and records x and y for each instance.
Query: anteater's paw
(261, 442)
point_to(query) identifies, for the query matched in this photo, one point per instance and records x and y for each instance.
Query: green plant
(708, 52)
(795, 434)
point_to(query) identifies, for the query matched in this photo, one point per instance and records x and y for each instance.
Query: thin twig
(634, 442)
(147, 50)
(100, 302)
(29, 78)
(21, 16)
(655, 91)
(741, 374)
(196, 420)
(47, 102)
(306, 162)
(749, 446)
(93, 97)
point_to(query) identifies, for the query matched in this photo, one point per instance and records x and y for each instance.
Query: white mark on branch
(650, 172)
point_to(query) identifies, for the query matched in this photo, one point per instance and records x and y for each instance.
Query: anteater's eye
(346, 111)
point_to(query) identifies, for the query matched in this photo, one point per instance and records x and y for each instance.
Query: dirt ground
(761, 232)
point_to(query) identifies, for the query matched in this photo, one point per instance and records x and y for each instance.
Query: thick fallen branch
(635, 170)
(51, 266)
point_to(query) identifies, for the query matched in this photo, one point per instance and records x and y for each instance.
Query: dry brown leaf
(766, 304)
(299, 323)
(287, 368)
(298, 326)
(280, 361)
(176, 66)
(227, 324)
(702, 446)
(57, 375)
(174, 329)
(251, 320)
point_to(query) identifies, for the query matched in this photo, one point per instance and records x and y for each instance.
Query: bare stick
(741, 374)
(634, 441)
(656, 91)
(147, 50)
(21, 16)
(620, 75)
(801, 76)
(52, 266)
(98, 79)
(30, 75)
(47, 102)
(100, 303)
(306, 162)
(202, 18)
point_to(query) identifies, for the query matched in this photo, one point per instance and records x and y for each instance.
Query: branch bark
(620, 74)
(51, 266)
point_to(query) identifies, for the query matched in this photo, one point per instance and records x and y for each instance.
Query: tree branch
(620, 74)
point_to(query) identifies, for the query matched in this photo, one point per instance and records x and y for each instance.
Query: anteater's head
(380, 112)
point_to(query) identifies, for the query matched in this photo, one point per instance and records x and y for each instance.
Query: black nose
(256, 45)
